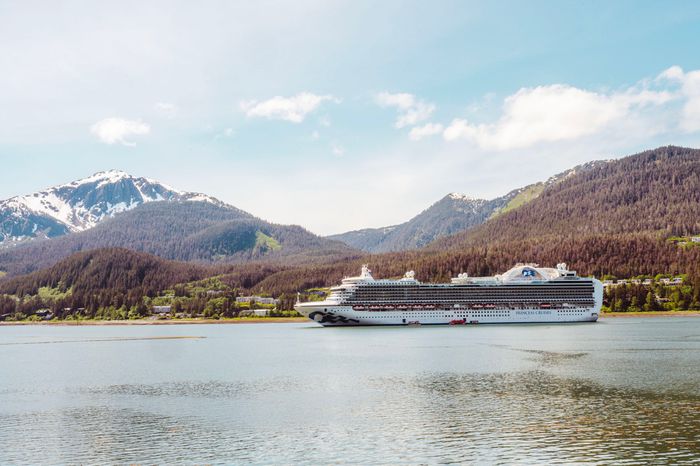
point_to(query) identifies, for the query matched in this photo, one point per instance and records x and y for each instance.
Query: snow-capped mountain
(81, 205)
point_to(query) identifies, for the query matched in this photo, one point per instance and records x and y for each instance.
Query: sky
(340, 115)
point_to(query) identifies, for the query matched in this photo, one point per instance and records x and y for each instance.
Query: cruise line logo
(528, 273)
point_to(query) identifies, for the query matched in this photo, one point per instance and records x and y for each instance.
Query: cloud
(293, 109)
(166, 110)
(337, 149)
(116, 130)
(410, 109)
(554, 113)
(690, 91)
(419, 132)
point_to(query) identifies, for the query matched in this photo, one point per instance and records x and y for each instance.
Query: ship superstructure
(525, 293)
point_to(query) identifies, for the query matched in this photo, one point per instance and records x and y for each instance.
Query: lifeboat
(458, 322)
(359, 308)
(477, 306)
(413, 322)
(545, 305)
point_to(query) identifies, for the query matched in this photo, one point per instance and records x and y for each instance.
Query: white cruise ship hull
(524, 294)
(343, 316)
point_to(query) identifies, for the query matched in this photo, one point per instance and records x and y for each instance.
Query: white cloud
(419, 132)
(690, 91)
(337, 149)
(410, 109)
(293, 109)
(116, 130)
(554, 113)
(166, 110)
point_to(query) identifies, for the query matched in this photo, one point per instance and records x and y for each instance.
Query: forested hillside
(93, 279)
(656, 193)
(185, 231)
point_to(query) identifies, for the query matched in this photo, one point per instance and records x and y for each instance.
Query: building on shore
(162, 309)
(257, 299)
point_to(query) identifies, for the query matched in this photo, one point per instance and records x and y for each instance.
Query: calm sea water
(618, 391)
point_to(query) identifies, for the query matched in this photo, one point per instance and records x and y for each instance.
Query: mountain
(453, 213)
(81, 205)
(186, 231)
(656, 192)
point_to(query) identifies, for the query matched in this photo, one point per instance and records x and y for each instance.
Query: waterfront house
(161, 309)
(257, 299)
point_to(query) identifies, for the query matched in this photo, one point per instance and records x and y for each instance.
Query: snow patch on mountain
(82, 204)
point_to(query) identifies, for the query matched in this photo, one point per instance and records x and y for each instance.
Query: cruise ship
(526, 293)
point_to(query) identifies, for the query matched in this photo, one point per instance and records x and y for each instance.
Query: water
(620, 391)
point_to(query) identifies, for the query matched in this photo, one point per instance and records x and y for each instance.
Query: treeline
(641, 298)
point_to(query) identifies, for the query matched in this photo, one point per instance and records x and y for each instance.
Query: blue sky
(340, 115)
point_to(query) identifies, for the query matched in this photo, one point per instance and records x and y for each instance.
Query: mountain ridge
(453, 213)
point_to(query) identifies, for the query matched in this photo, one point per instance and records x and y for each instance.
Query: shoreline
(282, 320)
(244, 320)
(604, 315)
